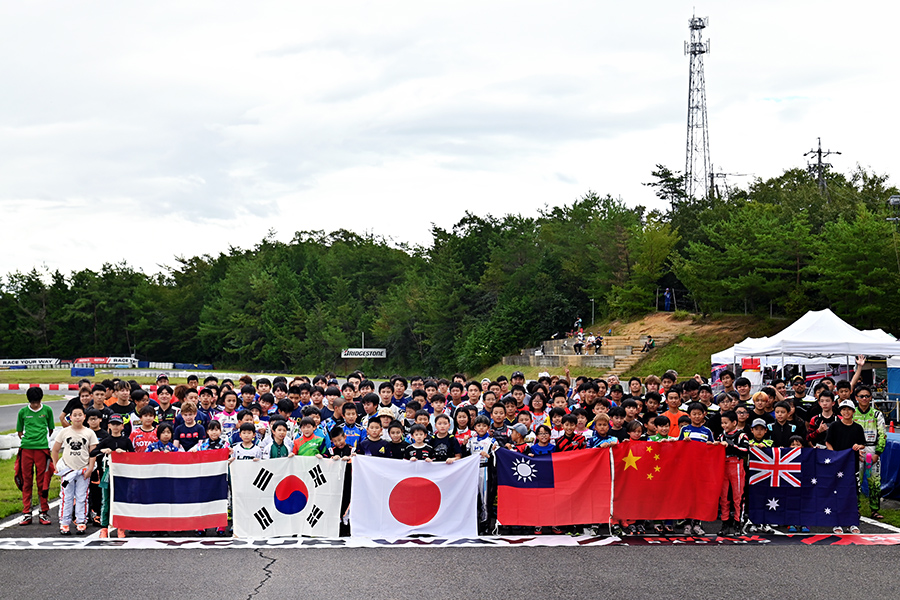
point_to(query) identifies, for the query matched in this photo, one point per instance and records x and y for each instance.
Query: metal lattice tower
(698, 164)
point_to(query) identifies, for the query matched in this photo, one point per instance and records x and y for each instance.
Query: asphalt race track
(505, 573)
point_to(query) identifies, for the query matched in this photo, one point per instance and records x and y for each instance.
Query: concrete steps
(618, 354)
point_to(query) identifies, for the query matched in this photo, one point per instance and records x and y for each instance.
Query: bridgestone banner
(364, 353)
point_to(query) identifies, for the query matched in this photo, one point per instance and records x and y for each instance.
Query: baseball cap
(847, 404)
(385, 412)
(798, 378)
(486, 380)
(616, 387)
(520, 428)
(758, 423)
(116, 418)
(162, 376)
(517, 374)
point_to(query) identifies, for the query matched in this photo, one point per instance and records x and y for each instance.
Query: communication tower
(698, 164)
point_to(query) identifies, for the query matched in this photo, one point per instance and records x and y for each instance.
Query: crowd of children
(435, 421)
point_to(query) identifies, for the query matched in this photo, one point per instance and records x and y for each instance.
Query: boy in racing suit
(872, 421)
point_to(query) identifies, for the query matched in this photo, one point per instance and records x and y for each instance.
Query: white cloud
(201, 126)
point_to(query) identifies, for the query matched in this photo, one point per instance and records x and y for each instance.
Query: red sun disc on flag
(414, 501)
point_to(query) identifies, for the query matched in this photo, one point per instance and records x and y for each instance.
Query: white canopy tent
(815, 338)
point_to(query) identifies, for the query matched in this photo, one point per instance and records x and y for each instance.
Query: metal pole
(363, 339)
(592, 312)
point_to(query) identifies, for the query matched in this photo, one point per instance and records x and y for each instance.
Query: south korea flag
(297, 495)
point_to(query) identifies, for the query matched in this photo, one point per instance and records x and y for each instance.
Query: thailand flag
(396, 498)
(169, 491)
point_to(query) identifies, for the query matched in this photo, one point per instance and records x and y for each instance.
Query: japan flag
(396, 498)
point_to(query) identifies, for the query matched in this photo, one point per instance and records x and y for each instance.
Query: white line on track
(879, 524)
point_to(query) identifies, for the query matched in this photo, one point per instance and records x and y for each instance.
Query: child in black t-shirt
(398, 444)
(339, 449)
(446, 447)
(190, 433)
(373, 445)
(846, 435)
(114, 442)
(498, 429)
(418, 450)
(423, 418)
(616, 423)
(512, 409)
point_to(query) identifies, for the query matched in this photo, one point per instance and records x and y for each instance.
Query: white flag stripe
(198, 509)
(255, 512)
(188, 471)
(374, 481)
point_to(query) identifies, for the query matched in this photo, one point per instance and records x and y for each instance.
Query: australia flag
(802, 486)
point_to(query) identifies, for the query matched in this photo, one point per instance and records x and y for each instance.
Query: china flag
(667, 480)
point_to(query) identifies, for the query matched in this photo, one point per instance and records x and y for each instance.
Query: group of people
(434, 420)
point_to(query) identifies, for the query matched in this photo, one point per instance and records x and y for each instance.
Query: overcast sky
(142, 131)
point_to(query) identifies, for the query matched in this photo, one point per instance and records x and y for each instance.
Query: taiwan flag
(397, 498)
(802, 486)
(667, 480)
(563, 488)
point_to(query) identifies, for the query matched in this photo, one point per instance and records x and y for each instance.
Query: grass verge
(10, 496)
(891, 517)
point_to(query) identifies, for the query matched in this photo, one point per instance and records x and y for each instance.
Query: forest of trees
(485, 287)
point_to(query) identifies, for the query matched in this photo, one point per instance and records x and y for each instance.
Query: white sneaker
(698, 530)
(838, 530)
(687, 529)
(854, 529)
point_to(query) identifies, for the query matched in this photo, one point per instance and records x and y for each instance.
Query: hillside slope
(696, 338)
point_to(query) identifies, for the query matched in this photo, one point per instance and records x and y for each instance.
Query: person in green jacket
(872, 421)
(34, 425)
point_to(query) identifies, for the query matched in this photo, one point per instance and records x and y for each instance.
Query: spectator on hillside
(579, 343)
(649, 344)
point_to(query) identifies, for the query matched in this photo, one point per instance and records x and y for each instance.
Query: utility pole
(818, 167)
(714, 189)
(698, 164)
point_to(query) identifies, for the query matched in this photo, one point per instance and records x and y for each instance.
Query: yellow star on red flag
(631, 461)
